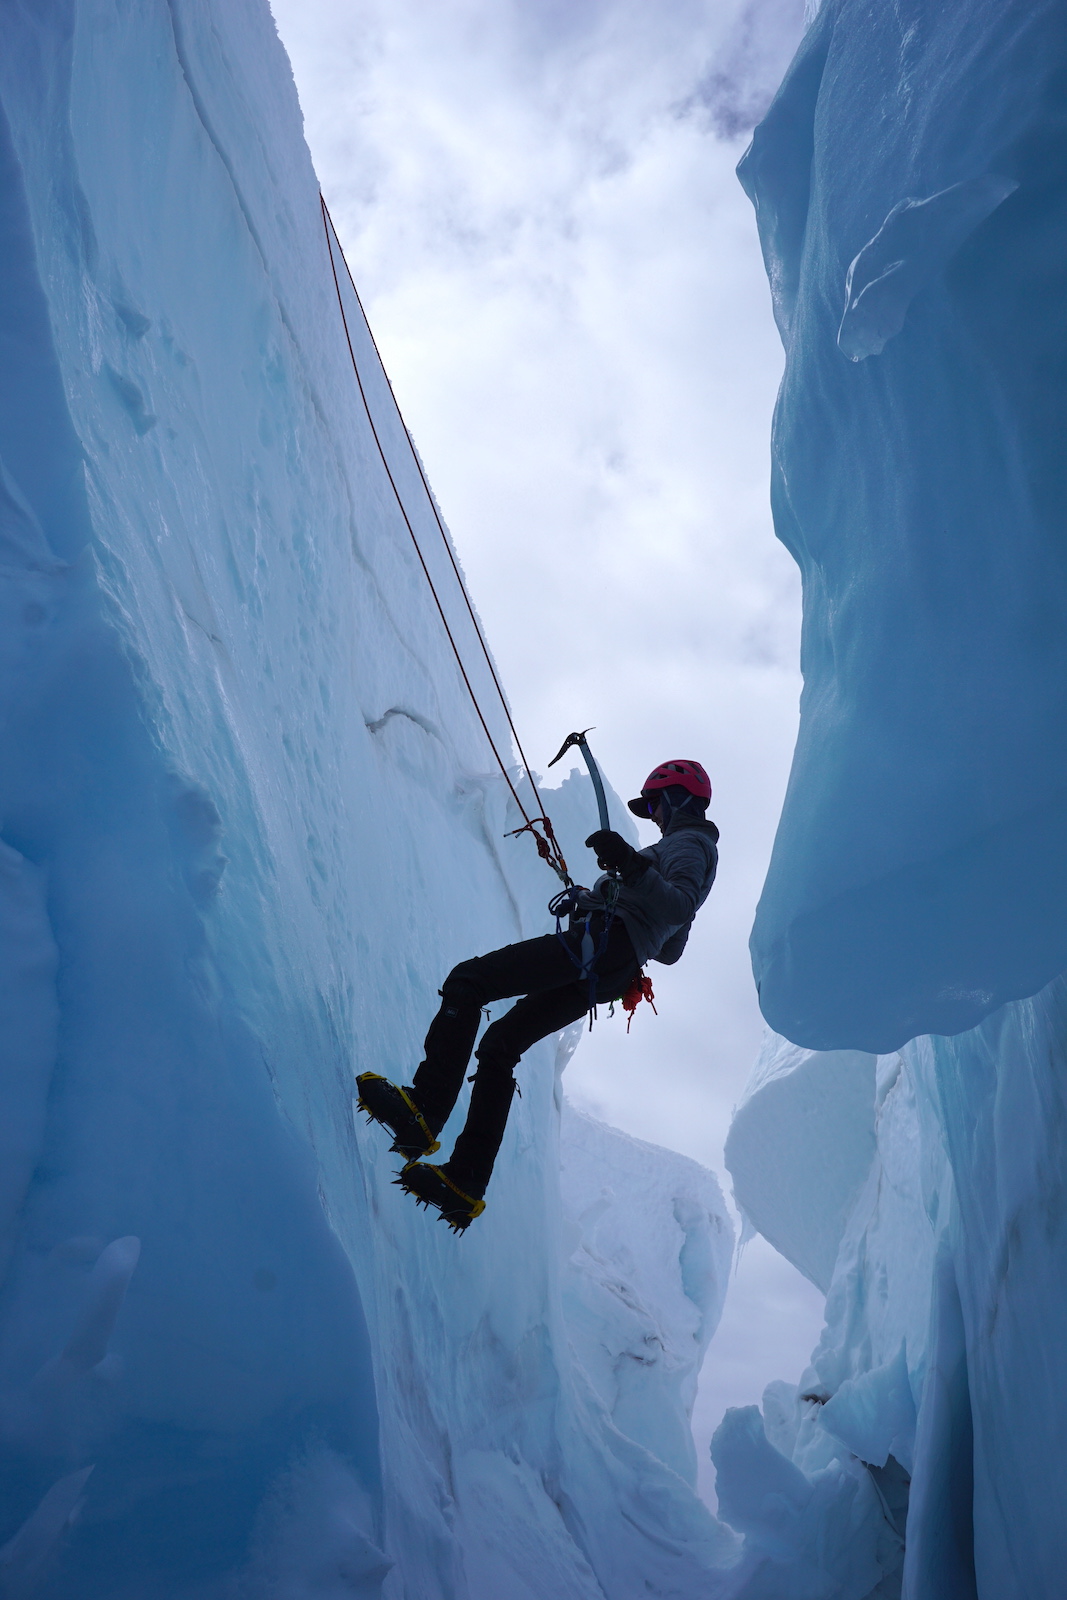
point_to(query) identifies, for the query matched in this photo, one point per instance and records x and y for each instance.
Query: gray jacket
(657, 908)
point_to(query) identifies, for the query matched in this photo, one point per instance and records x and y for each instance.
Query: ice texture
(642, 1298)
(249, 820)
(903, 1143)
(805, 1127)
(807, 1534)
(946, 1318)
(909, 183)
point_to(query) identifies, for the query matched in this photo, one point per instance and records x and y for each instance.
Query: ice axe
(594, 771)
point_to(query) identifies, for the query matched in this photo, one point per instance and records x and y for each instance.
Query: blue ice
(248, 821)
(902, 1136)
(908, 183)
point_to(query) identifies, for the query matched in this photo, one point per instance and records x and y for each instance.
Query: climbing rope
(539, 826)
(640, 988)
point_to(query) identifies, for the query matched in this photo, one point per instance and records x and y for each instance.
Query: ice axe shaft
(594, 771)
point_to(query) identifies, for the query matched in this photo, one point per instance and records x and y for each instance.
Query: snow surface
(249, 821)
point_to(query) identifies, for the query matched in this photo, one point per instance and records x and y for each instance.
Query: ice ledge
(800, 1147)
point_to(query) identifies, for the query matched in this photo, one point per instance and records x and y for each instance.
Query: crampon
(431, 1186)
(397, 1112)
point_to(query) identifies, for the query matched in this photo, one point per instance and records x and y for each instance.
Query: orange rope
(548, 847)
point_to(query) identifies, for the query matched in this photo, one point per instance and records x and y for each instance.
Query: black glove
(615, 855)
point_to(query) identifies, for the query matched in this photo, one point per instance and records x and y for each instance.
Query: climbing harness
(587, 958)
(547, 845)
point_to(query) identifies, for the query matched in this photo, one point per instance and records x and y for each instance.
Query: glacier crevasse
(248, 822)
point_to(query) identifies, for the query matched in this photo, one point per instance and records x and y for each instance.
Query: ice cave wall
(940, 1198)
(907, 1152)
(248, 822)
(910, 184)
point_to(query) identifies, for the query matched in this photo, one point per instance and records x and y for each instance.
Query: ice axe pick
(594, 771)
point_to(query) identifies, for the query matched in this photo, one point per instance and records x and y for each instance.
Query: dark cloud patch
(546, 26)
(622, 26)
(741, 80)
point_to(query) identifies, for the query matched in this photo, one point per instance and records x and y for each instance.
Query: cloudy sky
(538, 201)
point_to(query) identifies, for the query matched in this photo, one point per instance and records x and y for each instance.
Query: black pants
(555, 996)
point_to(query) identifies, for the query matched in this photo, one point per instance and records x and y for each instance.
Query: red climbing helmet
(686, 774)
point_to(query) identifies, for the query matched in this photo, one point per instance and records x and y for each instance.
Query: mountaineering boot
(432, 1186)
(394, 1108)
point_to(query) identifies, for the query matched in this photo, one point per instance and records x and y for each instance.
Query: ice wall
(946, 1313)
(906, 1151)
(909, 186)
(805, 1127)
(649, 1259)
(248, 822)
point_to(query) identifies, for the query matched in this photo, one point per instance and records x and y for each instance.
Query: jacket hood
(681, 820)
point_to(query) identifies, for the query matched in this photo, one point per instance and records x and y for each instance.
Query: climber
(640, 910)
